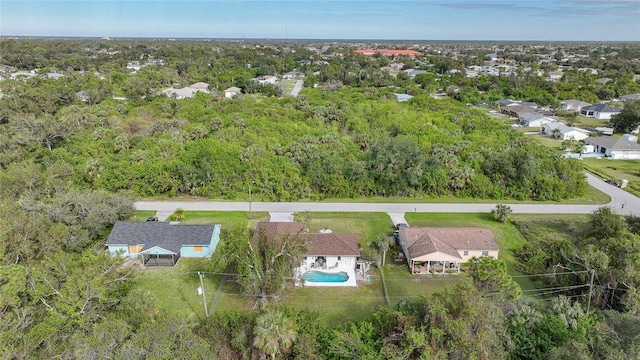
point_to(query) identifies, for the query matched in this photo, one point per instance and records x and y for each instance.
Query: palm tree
(381, 243)
(273, 332)
(179, 214)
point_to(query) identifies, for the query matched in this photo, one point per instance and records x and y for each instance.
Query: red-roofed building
(387, 52)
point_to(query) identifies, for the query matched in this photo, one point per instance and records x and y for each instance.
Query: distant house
(187, 92)
(330, 253)
(575, 105)
(202, 86)
(615, 147)
(528, 119)
(603, 81)
(54, 75)
(266, 79)
(517, 110)
(162, 243)
(231, 92)
(630, 97)
(441, 250)
(293, 75)
(403, 97)
(492, 57)
(564, 132)
(601, 130)
(599, 111)
(82, 96)
(413, 72)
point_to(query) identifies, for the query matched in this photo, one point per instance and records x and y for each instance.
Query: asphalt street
(621, 201)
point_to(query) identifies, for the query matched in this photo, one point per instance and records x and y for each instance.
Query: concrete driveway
(296, 88)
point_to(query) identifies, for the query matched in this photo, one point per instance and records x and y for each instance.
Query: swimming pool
(319, 276)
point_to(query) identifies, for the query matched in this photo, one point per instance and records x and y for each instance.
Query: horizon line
(289, 39)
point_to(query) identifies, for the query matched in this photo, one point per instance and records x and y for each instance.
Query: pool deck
(349, 283)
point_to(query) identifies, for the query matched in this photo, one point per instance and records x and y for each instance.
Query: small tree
(501, 212)
(490, 277)
(381, 244)
(179, 214)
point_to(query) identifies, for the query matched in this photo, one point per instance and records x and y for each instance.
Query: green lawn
(287, 86)
(617, 170)
(507, 235)
(175, 288)
(225, 218)
(586, 122)
(142, 215)
(338, 305)
(402, 285)
(548, 142)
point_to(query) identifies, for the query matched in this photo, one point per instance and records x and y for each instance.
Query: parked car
(152, 219)
(399, 225)
(611, 182)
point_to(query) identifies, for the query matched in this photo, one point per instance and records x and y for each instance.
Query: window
(485, 253)
(134, 249)
(197, 249)
(339, 258)
(465, 253)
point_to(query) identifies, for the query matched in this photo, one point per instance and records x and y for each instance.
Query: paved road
(296, 88)
(618, 197)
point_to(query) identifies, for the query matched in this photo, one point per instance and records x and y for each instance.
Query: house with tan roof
(441, 250)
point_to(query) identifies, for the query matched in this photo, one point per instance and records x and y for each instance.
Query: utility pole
(590, 290)
(204, 294)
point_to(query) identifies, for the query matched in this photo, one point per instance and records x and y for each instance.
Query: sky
(524, 20)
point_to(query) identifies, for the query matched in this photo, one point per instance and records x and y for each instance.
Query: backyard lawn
(337, 305)
(402, 285)
(175, 288)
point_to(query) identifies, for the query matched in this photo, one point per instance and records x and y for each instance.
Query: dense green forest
(70, 168)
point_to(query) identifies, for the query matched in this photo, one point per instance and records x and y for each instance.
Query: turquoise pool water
(319, 276)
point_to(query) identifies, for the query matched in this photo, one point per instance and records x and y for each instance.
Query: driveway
(296, 88)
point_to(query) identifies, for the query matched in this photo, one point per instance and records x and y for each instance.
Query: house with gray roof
(600, 111)
(442, 250)
(615, 147)
(534, 119)
(573, 104)
(561, 131)
(630, 97)
(162, 243)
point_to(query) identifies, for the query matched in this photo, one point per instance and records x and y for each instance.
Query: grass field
(617, 170)
(402, 285)
(225, 218)
(142, 215)
(287, 86)
(175, 288)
